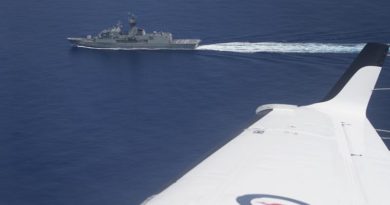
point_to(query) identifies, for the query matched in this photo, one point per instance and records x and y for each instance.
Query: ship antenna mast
(132, 20)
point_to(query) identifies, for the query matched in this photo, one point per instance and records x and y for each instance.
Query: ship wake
(280, 47)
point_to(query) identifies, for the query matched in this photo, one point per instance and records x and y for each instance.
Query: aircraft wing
(324, 153)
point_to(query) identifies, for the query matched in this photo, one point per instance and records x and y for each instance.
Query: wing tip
(373, 54)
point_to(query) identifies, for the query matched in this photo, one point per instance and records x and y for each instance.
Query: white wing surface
(327, 153)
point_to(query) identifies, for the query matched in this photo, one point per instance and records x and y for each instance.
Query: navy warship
(135, 38)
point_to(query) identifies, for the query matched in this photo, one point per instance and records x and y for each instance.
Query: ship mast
(132, 20)
(132, 24)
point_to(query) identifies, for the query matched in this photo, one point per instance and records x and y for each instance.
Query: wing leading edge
(325, 153)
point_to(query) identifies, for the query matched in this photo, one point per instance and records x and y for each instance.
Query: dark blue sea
(105, 127)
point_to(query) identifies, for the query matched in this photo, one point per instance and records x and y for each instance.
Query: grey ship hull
(178, 44)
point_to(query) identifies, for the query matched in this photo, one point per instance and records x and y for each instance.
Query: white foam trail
(278, 47)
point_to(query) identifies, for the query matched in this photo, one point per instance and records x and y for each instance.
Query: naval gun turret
(135, 38)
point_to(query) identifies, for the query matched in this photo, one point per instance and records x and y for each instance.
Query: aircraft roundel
(265, 199)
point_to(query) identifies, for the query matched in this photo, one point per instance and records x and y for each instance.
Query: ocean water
(81, 126)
